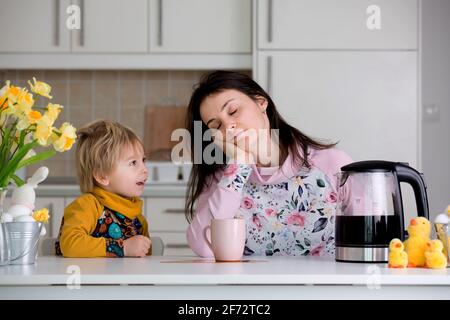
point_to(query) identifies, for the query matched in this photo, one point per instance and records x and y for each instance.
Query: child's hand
(136, 246)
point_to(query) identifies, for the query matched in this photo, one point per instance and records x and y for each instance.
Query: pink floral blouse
(288, 210)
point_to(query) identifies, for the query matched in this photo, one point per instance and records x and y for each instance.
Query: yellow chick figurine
(398, 258)
(419, 230)
(435, 258)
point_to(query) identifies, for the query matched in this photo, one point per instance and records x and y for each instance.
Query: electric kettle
(369, 212)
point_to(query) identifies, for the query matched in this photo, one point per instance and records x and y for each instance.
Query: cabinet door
(55, 206)
(165, 214)
(175, 243)
(343, 24)
(109, 26)
(166, 219)
(34, 26)
(365, 100)
(200, 26)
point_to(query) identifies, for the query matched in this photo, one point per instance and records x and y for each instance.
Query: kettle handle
(415, 179)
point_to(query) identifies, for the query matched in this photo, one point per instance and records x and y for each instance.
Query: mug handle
(206, 237)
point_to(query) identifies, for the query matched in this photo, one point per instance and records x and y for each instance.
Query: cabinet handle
(269, 75)
(56, 25)
(82, 23)
(50, 210)
(269, 20)
(177, 211)
(176, 245)
(160, 23)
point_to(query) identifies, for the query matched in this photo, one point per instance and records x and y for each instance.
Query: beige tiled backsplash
(117, 95)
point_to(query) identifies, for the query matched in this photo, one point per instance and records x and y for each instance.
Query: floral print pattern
(235, 176)
(295, 217)
(115, 228)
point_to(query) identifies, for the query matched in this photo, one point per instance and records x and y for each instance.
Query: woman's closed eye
(216, 124)
(232, 111)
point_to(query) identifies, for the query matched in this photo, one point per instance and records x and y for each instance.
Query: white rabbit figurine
(23, 199)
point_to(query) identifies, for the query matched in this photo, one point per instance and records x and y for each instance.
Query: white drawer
(166, 214)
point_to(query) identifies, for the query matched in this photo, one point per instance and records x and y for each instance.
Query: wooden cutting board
(160, 122)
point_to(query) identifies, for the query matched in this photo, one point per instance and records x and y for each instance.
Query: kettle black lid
(373, 166)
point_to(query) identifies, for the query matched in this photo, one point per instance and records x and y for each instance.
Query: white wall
(436, 91)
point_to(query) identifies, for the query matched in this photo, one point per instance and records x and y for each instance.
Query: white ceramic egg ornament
(6, 217)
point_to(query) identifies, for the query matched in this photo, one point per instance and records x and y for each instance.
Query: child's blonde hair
(98, 149)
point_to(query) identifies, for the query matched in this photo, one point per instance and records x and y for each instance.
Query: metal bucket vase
(5, 253)
(443, 234)
(23, 239)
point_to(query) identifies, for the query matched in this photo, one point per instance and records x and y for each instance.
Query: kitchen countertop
(181, 277)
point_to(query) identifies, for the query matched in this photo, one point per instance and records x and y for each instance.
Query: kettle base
(362, 254)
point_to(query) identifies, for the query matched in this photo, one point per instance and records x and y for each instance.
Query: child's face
(129, 175)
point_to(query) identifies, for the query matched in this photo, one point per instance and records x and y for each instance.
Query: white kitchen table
(176, 278)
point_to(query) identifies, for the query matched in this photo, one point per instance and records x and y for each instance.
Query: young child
(106, 220)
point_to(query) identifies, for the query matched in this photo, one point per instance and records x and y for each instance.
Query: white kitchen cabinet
(34, 26)
(166, 219)
(69, 200)
(334, 78)
(200, 26)
(175, 243)
(343, 24)
(55, 206)
(131, 35)
(366, 100)
(112, 26)
(166, 214)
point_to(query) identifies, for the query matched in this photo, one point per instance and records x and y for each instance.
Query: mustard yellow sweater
(97, 223)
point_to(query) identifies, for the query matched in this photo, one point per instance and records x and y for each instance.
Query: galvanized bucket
(443, 234)
(22, 239)
(5, 253)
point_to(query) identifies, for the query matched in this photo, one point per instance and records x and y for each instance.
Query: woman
(287, 195)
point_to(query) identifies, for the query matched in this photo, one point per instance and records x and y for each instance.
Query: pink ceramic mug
(227, 238)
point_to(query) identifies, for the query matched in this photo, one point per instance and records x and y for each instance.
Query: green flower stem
(7, 171)
(19, 182)
(36, 158)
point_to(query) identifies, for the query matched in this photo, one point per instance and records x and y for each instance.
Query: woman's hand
(238, 145)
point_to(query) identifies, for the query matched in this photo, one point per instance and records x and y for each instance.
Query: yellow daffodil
(40, 88)
(43, 130)
(3, 103)
(34, 116)
(53, 111)
(67, 138)
(23, 122)
(24, 101)
(24, 128)
(12, 93)
(31, 117)
(3, 98)
(41, 215)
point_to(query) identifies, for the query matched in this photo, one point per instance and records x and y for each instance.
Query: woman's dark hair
(290, 138)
